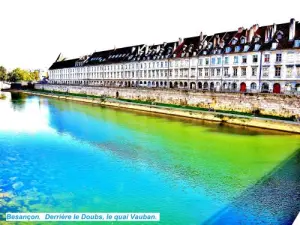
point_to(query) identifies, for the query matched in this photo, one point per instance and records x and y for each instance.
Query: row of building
(259, 59)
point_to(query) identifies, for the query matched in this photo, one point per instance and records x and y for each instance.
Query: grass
(151, 102)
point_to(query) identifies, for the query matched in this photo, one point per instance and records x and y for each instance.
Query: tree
(16, 75)
(23, 75)
(3, 74)
(34, 75)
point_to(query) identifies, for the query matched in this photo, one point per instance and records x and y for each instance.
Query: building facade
(259, 59)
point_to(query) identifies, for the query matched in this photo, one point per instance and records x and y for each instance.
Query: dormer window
(246, 48)
(297, 43)
(228, 49)
(256, 47)
(242, 40)
(257, 39)
(219, 51)
(279, 35)
(204, 52)
(237, 48)
(234, 41)
(274, 45)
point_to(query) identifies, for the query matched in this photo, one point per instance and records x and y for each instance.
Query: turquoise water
(60, 156)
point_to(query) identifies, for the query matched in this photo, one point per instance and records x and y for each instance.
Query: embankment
(242, 120)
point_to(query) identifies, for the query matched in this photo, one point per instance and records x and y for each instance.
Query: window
(279, 35)
(219, 61)
(256, 47)
(228, 49)
(200, 62)
(236, 59)
(278, 57)
(277, 71)
(290, 57)
(213, 61)
(255, 59)
(253, 86)
(226, 60)
(246, 48)
(200, 72)
(244, 71)
(267, 58)
(298, 70)
(289, 71)
(212, 72)
(297, 43)
(254, 71)
(235, 71)
(265, 71)
(234, 41)
(206, 72)
(244, 59)
(274, 45)
(226, 71)
(206, 61)
(243, 40)
(237, 48)
(218, 72)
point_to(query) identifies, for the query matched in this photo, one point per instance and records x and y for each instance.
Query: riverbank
(220, 117)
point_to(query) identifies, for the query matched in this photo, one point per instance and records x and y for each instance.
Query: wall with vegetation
(265, 104)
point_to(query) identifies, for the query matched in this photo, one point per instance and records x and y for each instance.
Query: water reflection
(17, 100)
(21, 113)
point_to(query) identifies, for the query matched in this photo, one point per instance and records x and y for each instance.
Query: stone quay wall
(267, 104)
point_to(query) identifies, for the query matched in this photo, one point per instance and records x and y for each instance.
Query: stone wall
(268, 104)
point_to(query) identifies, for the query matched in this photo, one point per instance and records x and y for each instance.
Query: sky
(34, 32)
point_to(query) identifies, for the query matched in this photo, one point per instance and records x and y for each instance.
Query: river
(62, 156)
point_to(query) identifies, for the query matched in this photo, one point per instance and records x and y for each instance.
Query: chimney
(267, 35)
(146, 50)
(157, 48)
(222, 43)
(201, 37)
(180, 41)
(250, 35)
(133, 49)
(205, 44)
(274, 28)
(292, 29)
(214, 42)
(255, 28)
(240, 30)
(246, 35)
(218, 40)
(175, 46)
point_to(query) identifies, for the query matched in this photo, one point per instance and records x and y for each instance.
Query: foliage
(2, 96)
(3, 74)
(18, 75)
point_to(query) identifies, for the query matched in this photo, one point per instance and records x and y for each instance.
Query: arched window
(234, 86)
(253, 86)
(265, 87)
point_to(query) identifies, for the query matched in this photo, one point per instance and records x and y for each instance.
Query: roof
(277, 35)
(64, 64)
